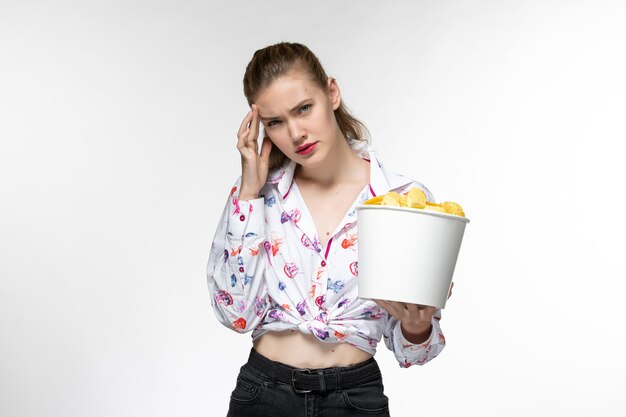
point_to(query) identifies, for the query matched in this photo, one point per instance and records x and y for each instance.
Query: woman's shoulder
(386, 178)
(401, 183)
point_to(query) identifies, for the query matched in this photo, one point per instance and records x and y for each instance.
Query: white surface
(118, 126)
(407, 255)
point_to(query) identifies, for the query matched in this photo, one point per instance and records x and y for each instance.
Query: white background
(118, 125)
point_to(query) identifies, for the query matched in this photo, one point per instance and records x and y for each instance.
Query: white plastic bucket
(406, 254)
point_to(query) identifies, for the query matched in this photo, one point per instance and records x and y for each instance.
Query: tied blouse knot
(268, 271)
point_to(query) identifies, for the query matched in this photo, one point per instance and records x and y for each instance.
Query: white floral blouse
(268, 271)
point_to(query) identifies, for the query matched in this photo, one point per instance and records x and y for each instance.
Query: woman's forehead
(285, 92)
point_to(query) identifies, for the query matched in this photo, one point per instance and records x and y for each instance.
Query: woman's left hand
(415, 318)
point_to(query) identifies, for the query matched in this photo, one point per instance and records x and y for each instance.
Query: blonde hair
(276, 60)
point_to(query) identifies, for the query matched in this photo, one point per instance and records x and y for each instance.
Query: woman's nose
(296, 131)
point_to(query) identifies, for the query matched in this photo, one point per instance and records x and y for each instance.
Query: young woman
(283, 262)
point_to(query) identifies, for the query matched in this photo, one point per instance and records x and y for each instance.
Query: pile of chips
(415, 198)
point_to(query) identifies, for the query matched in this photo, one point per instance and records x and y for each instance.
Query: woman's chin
(311, 161)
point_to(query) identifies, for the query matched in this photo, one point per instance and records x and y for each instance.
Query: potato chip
(434, 207)
(416, 198)
(392, 198)
(453, 208)
(375, 200)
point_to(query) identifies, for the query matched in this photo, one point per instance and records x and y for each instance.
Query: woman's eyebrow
(293, 109)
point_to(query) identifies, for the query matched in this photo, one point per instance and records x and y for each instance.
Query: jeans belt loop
(322, 381)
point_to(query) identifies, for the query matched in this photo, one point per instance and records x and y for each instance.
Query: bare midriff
(292, 347)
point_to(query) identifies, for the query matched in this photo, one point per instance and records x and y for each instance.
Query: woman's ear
(334, 94)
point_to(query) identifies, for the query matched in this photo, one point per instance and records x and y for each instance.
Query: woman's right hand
(253, 166)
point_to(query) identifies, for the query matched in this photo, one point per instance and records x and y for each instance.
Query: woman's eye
(305, 108)
(271, 123)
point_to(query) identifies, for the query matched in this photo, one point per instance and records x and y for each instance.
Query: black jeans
(258, 394)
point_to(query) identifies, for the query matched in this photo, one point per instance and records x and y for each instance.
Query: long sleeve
(408, 353)
(236, 266)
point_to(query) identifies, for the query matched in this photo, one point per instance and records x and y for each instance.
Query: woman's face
(299, 118)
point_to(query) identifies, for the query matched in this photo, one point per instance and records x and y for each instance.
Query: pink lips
(306, 149)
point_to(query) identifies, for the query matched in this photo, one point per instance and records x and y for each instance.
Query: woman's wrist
(417, 336)
(243, 196)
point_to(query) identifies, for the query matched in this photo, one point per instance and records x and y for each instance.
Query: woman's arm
(408, 353)
(236, 266)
